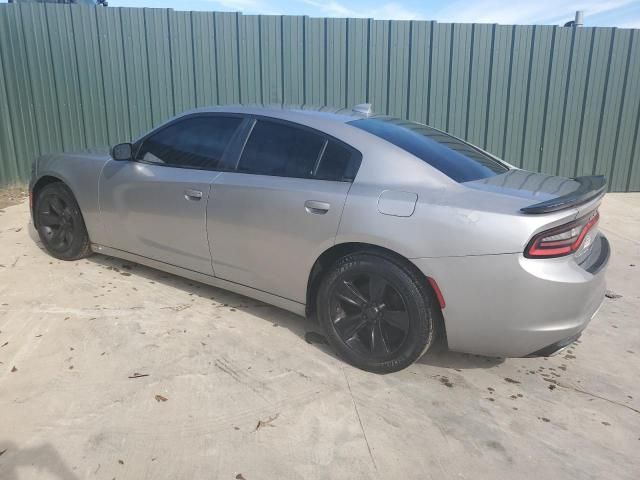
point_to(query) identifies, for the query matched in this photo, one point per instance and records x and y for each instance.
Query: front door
(270, 219)
(156, 205)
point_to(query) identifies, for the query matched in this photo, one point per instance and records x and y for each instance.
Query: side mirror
(122, 152)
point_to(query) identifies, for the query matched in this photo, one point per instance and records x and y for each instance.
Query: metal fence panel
(113, 74)
(90, 76)
(226, 51)
(66, 86)
(518, 90)
(357, 60)
(458, 88)
(628, 133)
(315, 61)
(335, 61)
(156, 29)
(611, 105)
(293, 60)
(420, 66)
(44, 93)
(17, 100)
(558, 100)
(7, 148)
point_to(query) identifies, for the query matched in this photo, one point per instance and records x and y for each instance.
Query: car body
(265, 230)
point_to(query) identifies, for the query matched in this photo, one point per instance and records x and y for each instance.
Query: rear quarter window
(454, 157)
(338, 163)
(280, 150)
(287, 150)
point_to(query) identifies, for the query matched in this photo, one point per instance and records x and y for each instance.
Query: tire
(387, 303)
(60, 224)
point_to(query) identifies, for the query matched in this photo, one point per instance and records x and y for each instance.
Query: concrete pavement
(113, 370)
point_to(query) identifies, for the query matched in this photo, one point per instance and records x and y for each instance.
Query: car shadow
(442, 357)
(44, 458)
(306, 328)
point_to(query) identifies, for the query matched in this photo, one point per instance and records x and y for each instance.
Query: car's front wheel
(60, 224)
(379, 314)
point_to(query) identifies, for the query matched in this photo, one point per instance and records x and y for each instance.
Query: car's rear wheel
(377, 312)
(60, 224)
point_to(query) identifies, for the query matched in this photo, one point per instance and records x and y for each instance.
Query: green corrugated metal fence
(559, 100)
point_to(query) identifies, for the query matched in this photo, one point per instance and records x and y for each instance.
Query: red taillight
(563, 240)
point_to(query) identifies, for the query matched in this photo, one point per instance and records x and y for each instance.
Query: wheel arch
(330, 255)
(43, 181)
(39, 184)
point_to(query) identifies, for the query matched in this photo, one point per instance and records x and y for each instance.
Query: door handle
(194, 195)
(314, 206)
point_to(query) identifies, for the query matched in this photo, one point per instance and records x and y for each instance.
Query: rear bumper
(512, 306)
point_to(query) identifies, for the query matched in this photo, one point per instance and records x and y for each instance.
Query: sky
(601, 13)
(606, 13)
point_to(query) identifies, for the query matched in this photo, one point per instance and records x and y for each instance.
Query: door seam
(206, 220)
(344, 205)
(99, 200)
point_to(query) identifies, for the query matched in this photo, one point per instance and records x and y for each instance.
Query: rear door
(270, 218)
(156, 205)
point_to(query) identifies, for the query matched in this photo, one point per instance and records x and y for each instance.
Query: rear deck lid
(547, 193)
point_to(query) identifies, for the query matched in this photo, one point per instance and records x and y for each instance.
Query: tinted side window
(280, 150)
(452, 156)
(337, 163)
(197, 142)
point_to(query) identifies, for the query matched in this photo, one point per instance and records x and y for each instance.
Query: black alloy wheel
(60, 224)
(55, 217)
(369, 314)
(377, 311)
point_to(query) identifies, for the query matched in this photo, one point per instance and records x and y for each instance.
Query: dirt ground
(12, 195)
(111, 370)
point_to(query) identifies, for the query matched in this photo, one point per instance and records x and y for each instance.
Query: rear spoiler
(589, 189)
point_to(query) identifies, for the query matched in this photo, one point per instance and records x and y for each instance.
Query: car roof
(286, 111)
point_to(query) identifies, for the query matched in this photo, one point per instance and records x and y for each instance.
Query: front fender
(81, 173)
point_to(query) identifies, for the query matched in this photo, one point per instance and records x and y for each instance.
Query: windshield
(453, 157)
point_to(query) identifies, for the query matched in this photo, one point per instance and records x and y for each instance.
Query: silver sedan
(392, 233)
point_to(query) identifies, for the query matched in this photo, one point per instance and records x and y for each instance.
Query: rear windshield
(452, 156)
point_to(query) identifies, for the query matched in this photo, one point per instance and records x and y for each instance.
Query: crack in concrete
(578, 390)
(355, 407)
